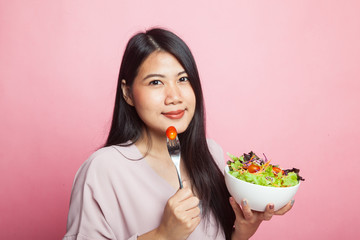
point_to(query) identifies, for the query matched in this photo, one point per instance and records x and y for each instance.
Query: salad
(250, 168)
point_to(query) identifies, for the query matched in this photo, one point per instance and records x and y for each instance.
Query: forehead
(160, 62)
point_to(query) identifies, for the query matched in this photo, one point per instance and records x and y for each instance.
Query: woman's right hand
(181, 215)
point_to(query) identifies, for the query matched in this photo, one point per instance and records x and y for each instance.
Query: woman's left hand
(247, 221)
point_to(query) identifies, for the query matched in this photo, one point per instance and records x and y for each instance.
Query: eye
(183, 79)
(155, 82)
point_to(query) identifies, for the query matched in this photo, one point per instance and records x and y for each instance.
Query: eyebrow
(160, 75)
(180, 73)
(153, 75)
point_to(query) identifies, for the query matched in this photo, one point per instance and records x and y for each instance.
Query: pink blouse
(117, 196)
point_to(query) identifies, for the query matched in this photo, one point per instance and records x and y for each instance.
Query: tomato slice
(253, 168)
(277, 170)
(171, 133)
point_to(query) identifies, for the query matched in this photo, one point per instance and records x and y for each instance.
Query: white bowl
(258, 196)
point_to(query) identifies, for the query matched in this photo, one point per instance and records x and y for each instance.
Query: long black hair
(207, 179)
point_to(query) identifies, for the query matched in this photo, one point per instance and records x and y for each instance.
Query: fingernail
(271, 206)
(244, 202)
(292, 202)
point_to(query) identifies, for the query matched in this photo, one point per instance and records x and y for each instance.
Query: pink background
(279, 77)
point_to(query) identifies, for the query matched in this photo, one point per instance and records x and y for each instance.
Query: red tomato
(253, 168)
(171, 132)
(277, 170)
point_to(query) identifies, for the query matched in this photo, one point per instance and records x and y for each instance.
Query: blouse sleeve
(86, 218)
(217, 153)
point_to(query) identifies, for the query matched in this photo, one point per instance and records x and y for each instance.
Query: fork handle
(180, 182)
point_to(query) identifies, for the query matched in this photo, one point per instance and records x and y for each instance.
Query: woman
(129, 189)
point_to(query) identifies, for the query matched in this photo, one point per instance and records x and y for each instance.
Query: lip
(174, 114)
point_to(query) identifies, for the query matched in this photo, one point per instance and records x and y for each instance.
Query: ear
(126, 93)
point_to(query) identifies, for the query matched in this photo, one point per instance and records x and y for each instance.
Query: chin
(182, 128)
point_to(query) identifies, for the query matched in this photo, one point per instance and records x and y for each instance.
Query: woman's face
(162, 94)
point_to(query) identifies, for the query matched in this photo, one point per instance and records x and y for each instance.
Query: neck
(153, 145)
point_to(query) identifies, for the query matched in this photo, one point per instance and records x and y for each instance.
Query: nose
(173, 94)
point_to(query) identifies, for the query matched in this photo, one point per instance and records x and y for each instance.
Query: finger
(189, 203)
(246, 210)
(191, 221)
(180, 196)
(184, 187)
(194, 223)
(183, 193)
(236, 208)
(269, 212)
(285, 209)
(184, 183)
(193, 213)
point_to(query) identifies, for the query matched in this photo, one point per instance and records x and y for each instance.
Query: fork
(174, 149)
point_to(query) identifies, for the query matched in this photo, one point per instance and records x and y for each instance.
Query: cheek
(190, 96)
(145, 100)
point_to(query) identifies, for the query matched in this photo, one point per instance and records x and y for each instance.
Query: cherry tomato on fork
(171, 133)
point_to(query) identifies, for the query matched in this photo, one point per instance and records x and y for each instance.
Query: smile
(174, 114)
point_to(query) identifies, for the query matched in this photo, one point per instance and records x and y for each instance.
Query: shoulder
(107, 160)
(214, 148)
(217, 152)
(111, 152)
